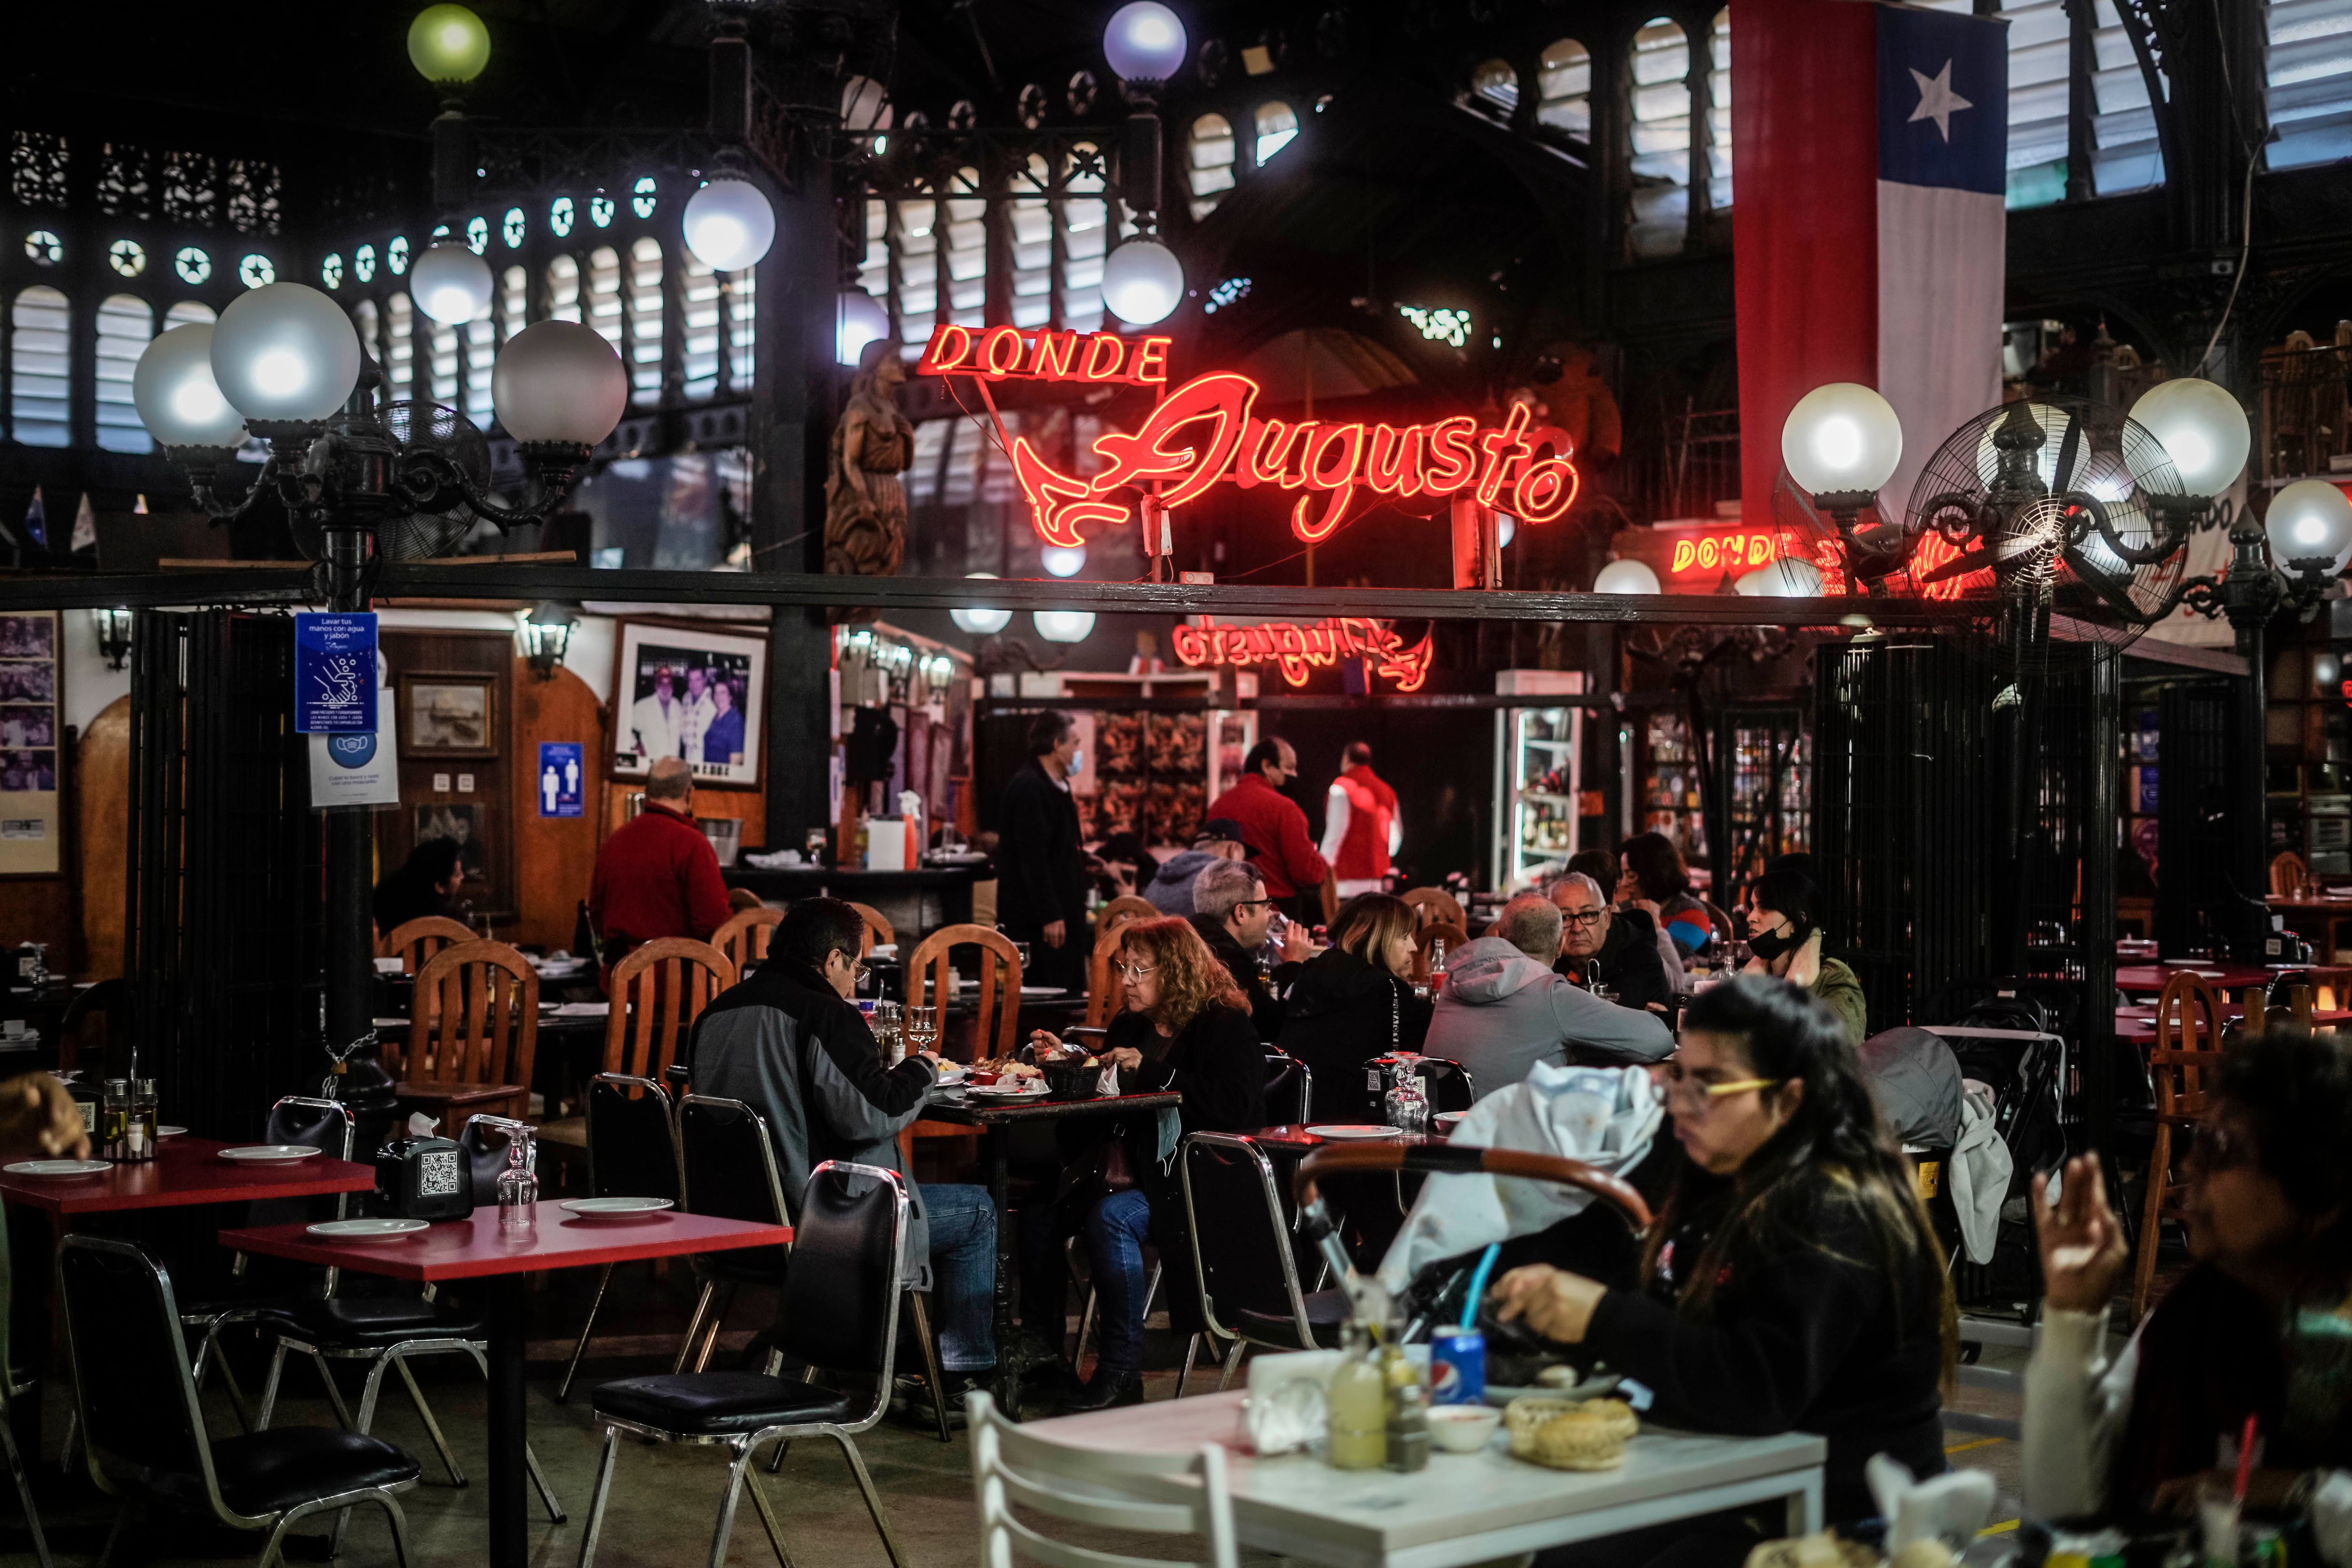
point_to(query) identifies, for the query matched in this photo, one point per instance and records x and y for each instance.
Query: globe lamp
(1065, 626)
(1141, 282)
(1063, 561)
(2203, 430)
(978, 622)
(1144, 41)
(730, 225)
(285, 350)
(1840, 439)
(859, 319)
(1625, 577)
(2310, 520)
(177, 399)
(559, 381)
(450, 283)
(448, 45)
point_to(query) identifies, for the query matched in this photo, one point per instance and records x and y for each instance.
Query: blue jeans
(963, 1274)
(1115, 1236)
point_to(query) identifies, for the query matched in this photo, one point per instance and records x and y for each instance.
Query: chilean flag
(1869, 241)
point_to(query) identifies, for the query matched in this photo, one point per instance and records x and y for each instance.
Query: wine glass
(922, 1027)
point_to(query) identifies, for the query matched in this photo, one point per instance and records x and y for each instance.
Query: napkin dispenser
(423, 1178)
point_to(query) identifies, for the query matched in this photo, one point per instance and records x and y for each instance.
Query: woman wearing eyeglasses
(1791, 1281)
(1186, 1027)
(2260, 1325)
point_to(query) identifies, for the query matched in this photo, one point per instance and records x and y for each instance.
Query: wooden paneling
(554, 855)
(102, 825)
(458, 652)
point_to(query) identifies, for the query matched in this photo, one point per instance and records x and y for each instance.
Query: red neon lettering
(1000, 351)
(1224, 397)
(1335, 513)
(1101, 365)
(1500, 447)
(1297, 650)
(945, 351)
(1686, 553)
(1265, 439)
(1150, 361)
(1316, 473)
(1449, 439)
(1057, 503)
(1053, 355)
(1544, 491)
(1291, 479)
(1392, 463)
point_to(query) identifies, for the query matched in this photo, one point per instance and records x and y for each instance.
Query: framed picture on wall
(466, 822)
(448, 715)
(686, 692)
(32, 820)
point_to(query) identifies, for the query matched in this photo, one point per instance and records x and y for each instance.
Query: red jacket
(1276, 831)
(657, 876)
(1371, 807)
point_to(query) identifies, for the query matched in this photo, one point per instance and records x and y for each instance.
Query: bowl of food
(1069, 1074)
(1571, 1434)
(1463, 1428)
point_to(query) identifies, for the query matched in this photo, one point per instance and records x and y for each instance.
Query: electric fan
(437, 517)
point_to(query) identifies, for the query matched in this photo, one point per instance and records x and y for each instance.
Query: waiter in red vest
(1360, 830)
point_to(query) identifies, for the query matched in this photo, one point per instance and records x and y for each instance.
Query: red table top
(185, 1171)
(2222, 976)
(472, 1248)
(1294, 1136)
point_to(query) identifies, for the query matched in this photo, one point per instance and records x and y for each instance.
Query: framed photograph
(467, 824)
(691, 693)
(453, 715)
(32, 737)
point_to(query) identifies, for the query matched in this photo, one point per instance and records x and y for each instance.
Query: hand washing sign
(334, 674)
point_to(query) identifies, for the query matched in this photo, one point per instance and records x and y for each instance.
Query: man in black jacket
(1616, 949)
(1040, 879)
(789, 1043)
(1232, 913)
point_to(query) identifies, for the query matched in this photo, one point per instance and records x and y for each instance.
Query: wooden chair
(657, 992)
(930, 982)
(1725, 931)
(1453, 936)
(1125, 908)
(414, 942)
(473, 1032)
(2187, 1048)
(2290, 877)
(1435, 906)
(745, 937)
(1103, 999)
(877, 926)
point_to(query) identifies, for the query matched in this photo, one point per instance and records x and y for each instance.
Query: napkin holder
(423, 1178)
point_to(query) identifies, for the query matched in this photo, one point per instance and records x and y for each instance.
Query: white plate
(1338, 1130)
(1449, 1118)
(269, 1153)
(593, 1208)
(883, 950)
(1044, 990)
(993, 1092)
(169, 1132)
(57, 1168)
(952, 1076)
(365, 1229)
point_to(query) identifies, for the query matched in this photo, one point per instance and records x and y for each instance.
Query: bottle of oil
(1404, 1413)
(1357, 1399)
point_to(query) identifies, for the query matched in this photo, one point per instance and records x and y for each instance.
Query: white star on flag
(1937, 101)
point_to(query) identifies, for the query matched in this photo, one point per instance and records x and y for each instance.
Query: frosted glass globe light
(1065, 626)
(1144, 41)
(2203, 429)
(450, 283)
(730, 225)
(1842, 438)
(285, 350)
(2310, 520)
(978, 622)
(1063, 561)
(1787, 578)
(1141, 282)
(859, 319)
(1625, 577)
(174, 390)
(559, 381)
(448, 43)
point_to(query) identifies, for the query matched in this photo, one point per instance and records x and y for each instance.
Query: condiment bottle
(1408, 1428)
(1358, 1402)
(114, 1116)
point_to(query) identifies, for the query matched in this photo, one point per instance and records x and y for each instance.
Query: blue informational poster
(334, 673)
(560, 778)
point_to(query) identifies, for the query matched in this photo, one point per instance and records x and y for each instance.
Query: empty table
(185, 1171)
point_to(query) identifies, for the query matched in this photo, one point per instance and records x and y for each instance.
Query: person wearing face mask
(2260, 1327)
(1274, 829)
(1792, 1280)
(1786, 944)
(1354, 1001)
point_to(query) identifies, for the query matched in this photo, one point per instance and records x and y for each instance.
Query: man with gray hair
(1502, 1010)
(657, 876)
(1600, 947)
(1233, 913)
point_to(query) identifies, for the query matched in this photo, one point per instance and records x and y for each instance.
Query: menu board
(32, 822)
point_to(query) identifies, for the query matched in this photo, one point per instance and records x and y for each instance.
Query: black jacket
(1040, 870)
(1814, 1337)
(1341, 1013)
(1265, 1004)
(1628, 963)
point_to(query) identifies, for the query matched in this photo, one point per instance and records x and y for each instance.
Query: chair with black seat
(1448, 1084)
(144, 1431)
(727, 1170)
(1289, 1090)
(632, 1153)
(1250, 1290)
(838, 1315)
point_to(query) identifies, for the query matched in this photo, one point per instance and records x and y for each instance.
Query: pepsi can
(1457, 1367)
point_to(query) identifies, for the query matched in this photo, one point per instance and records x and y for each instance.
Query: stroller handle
(1446, 1157)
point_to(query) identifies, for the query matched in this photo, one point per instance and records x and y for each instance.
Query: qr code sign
(437, 1174)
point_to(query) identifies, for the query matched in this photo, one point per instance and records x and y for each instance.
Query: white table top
(1463, 1504)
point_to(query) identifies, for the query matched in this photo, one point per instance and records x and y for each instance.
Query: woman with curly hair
(1186, 1027)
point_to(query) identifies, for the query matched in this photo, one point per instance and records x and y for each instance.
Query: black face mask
(1770, 947)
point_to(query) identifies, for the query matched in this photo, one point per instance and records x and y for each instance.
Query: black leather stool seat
(723, 1403)
(372, 1322)
(1327, 1311)
(263, 1473)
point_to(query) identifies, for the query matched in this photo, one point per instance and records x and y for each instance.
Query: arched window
(2039, 55)
(698, 351)
(1660, 133)
(125, 323)
(1718, 112)
(481, 346)
(365, 320)
(645, 321)
(514, 303)
(605, 293)
(740, 295)
(1085, 228)
(1033, 246)
(196, 313)
(1276, 128)
(1495, 88)
(441, 379)
(399, 348)
(967, 252)
(563, 290)
(1208, 163)
(2307, 82)
(916, 222)
(1564, 89)
(2124, 154)
(39, 368)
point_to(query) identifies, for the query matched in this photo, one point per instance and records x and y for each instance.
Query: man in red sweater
(1273, 828)
(657, 875)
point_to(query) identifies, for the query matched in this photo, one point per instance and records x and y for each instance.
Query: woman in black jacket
(1354, 1001)
(1793, 1281)
(1186, 1027)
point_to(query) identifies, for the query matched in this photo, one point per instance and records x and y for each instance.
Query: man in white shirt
(698, 712)
(658, 720)
(1361, 830)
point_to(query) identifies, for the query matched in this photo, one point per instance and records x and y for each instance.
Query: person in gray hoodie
(1502, 1009)
(1171, 892)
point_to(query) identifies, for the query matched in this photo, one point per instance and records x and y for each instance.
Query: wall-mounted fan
(435, 517)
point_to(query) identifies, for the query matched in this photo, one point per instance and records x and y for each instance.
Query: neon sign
(1206, 432)
(1296, 649)
(1724, 553)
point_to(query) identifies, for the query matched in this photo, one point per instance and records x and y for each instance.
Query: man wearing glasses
(1234, 912)
(1599, 949)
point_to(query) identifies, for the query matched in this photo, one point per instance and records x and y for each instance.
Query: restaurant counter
(920, 900)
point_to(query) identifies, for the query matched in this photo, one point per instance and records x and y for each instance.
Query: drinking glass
(815, 842)
(922, 1028)
(889, 1022)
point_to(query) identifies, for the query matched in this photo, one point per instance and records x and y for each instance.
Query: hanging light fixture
(1141, 282)
(448, 45)
(978, 622)
(1065, 626)
(450, 283)
(1144, 42)
(1625, 577)
(730, 225)
(1063, 561)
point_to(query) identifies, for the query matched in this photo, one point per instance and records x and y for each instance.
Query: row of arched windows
(1212, 152)
(41, 370)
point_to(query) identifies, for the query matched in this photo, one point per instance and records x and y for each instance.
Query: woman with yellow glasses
(1791, 1281)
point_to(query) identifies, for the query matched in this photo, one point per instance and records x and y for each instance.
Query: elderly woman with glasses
(1791, 1281)
(1186, 1027)
(2258, 1331)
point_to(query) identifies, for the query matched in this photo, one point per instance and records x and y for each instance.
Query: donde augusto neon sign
(1294, 650)
(1206, 432)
